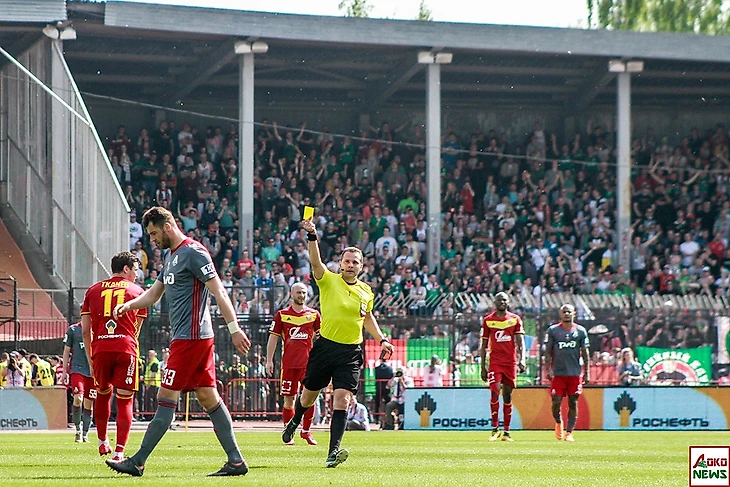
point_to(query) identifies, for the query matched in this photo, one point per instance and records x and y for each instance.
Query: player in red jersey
(504, 336)
(113, 349)
(297, 325)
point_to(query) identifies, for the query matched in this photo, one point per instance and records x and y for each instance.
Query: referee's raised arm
(315, 258)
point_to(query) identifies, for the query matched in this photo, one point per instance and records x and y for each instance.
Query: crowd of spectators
(20, 368)
(529, 218)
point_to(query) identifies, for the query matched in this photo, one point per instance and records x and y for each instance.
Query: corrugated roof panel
(32, 10)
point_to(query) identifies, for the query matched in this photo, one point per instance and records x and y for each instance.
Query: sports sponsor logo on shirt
(296, 333)
(111, 325)
(208, 269)
(501, 336)
(570, 344)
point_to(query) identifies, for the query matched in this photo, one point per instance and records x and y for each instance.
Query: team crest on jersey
(174, 261)
(111, 325)
(309, 317)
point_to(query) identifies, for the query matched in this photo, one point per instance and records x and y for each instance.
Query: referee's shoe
(336, 457)
(126, 466)
(231, 469)
(288, 435)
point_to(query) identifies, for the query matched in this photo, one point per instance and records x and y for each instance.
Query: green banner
(471, 375)
(676, 367)
(420, 351)
(413, 354)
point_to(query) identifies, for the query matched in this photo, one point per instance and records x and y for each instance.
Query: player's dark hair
(123, 259)
(157, 216)
(33, 356)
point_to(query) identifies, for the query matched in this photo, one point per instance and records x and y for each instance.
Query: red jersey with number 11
(297, 329)
(500, 333)
(108, 334)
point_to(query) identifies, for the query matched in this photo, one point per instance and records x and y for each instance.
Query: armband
(233, 327)
(312, 237)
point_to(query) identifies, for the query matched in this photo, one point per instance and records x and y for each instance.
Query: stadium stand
(534, 217)
(38, 315)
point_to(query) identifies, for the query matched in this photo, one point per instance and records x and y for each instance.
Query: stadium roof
(165, 54)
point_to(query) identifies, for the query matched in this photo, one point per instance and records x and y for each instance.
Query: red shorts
(190, 365)
(118, 369)
(80, 384)
(566, 385)
(290, 380)
(502, 374)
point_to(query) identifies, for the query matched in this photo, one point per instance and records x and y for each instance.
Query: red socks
(102, 411)
(124, 420)
(507, 415)
(307, 420)
(287, 415)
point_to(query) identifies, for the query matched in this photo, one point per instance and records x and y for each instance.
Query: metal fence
(60, 184)
(609, 319)
(8, 308)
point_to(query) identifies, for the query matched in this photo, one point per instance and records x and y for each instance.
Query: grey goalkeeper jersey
(565, 346)
(184, 274)
(75, 341)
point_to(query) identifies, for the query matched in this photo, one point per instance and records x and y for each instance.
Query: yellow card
(308, 212)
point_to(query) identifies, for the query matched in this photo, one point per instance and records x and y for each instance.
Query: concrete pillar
(246, 148)
(433, 165)
(623, 177)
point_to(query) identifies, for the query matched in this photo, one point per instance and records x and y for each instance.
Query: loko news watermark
(709, 466)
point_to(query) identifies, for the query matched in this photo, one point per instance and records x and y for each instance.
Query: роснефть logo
(425, 406)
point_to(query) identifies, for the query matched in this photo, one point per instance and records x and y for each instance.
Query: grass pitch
(378, 458)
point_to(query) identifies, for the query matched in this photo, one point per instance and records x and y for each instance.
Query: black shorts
(333, 361)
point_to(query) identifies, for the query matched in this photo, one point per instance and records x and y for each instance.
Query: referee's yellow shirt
(343, 308)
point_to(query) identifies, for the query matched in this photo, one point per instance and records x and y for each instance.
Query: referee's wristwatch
(384, 340)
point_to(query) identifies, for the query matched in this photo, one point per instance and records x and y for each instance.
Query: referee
(346, 304)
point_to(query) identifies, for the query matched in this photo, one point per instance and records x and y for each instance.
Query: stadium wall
(39, 408)
(610, 408)
(59, 182)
